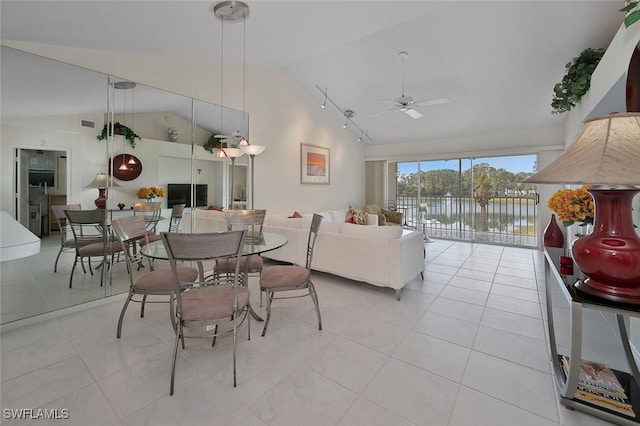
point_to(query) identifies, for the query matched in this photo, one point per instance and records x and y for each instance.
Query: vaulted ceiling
(496, 61)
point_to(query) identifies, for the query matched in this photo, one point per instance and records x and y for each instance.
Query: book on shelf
(598, 385)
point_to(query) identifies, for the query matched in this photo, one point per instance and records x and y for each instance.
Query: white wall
(282, 115)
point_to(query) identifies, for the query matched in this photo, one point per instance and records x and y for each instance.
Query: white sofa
(380, 255)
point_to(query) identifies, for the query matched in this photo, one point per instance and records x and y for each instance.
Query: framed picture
(314, 164)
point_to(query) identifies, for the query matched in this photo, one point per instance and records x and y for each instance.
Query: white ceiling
(496, 61)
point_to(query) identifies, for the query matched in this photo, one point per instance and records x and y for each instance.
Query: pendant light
(126, 85)
(234, 11)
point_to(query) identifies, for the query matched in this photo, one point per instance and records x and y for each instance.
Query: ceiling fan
(406, 104)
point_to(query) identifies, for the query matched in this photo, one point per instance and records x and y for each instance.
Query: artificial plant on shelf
(212, 144)
(120, 129)
(576, 80)
(632, 10)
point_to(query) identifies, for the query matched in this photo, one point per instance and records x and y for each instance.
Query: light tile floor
(466, 346)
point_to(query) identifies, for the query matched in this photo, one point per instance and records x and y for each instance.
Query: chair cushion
(162, 279)
(283, 276)
(225, 266)
(213, 302)
(97, 249)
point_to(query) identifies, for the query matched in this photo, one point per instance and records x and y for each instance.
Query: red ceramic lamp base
(101, 201)
(610, 256)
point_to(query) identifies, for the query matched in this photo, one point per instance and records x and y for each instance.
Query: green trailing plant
(120, 129)
(576, 81)
(212, 143)
(632, 10)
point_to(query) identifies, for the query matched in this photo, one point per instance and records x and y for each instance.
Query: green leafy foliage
(632, 9)
(119, 129)
(576, 81)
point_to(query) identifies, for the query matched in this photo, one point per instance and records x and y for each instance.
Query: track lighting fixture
(348, 115)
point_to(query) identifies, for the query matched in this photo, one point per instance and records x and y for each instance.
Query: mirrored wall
(52, 117)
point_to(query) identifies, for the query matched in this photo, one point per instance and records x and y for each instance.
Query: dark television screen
(180, 193)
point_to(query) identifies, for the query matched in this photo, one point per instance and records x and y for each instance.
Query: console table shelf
(567, 379)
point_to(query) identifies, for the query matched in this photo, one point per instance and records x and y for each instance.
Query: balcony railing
(509, 220)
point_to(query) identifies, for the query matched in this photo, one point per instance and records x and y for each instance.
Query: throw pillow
(359, 217)
(295, 215)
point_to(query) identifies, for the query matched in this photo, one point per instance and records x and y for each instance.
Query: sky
(513, 164)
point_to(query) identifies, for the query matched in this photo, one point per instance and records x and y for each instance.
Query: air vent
(87, 123)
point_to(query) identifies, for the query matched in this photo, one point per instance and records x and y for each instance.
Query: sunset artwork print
(314, 164)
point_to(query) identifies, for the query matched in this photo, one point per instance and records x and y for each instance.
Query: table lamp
(101, 182)
(233, 153)
(605, 154)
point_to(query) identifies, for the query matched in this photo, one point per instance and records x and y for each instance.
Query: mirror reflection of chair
(151, 212)
(174, 222)
(207, 304)
(88, 226)
(250, 221)
(283, 278)
(132, 234)
(67, 242)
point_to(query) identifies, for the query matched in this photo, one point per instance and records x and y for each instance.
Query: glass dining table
(253, 244)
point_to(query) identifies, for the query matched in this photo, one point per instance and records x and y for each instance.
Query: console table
(567, 378)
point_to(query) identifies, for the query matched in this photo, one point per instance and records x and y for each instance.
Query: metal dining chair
(205, 304)
(91, 238)
(132, 234)
(287, 278)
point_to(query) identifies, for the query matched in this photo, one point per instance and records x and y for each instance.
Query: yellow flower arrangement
(150, 193)
(572, 205)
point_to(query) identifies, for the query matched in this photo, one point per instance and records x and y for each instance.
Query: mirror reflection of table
(253, 244)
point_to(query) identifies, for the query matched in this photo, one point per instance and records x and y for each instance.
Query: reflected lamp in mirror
(101, 182)
(606, 154)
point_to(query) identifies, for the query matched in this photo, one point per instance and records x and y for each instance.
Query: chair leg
(172, 312)
(55, 265)
(175, 356)
(73, 268)
(124, 309)
(144, 300)
(215, 335)
(314, 297)
(234, 351)
(82, 264)
(269, 297)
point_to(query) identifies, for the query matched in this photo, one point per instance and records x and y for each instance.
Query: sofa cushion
(337, 215)
(330, 227)
(379, 232)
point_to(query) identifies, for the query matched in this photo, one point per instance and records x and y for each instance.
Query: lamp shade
(101, 181)
(253, 149)
(606, 152)
(422, 207)
(234, 152)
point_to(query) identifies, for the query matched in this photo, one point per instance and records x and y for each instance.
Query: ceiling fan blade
(383, 111)
(389, 101)
(429, 102)
(412, 113)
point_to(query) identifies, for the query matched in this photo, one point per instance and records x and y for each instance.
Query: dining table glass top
(253, 244)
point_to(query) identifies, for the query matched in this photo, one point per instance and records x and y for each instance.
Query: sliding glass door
(480, 200)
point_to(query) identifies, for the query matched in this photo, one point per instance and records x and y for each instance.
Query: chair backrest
(150, 210)
(247, 220)
(61, 218)
(86, 225)
(176, 217)
(132, 233)
(201, 247)
(313, 234)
